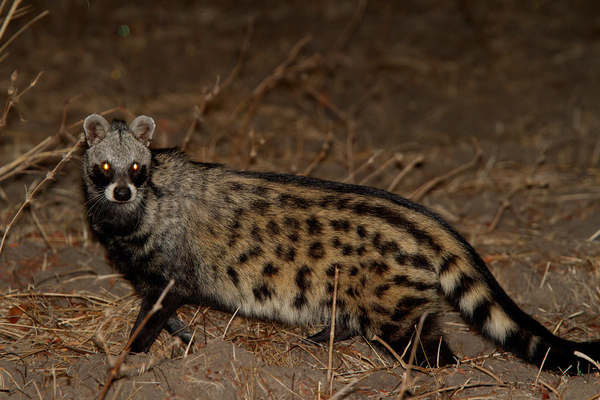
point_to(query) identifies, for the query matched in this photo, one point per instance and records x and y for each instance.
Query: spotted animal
(268, 245)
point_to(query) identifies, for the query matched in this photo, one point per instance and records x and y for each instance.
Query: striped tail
(470, 287)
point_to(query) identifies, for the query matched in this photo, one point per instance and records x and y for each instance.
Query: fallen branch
(117, 363)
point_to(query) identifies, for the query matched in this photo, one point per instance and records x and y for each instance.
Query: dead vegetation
(65, 316)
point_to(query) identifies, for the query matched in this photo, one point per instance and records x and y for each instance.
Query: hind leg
(431, 349)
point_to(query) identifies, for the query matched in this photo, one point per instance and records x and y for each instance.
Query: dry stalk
(329, 387)
(321, 156)
(243, 54)
(115, 369)
(394, 159)
(423, 190)
(350, 27)
(268, 83)
(418, 160)
(29, 196)
(413, 352)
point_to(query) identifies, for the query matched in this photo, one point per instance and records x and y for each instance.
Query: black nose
(122, 193)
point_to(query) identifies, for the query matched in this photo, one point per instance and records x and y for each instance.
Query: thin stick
(9, 15)
(23, 28)
(329, 388)
(350, 27)
(29, 196)
(243, 54)
(419, 159)
(587, 358)
(370, 161)
(230, 321)
(340, 393)
(267, 83)
(541, 366)
(395, 158)
(413, 352)
(423, 190)
(115, 369)
(42, 231)
(321, 156)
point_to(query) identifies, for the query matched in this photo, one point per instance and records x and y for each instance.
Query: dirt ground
(487, 112)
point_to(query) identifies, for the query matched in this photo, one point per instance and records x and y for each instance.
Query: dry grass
(48, 330)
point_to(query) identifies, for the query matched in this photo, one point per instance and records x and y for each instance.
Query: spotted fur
(269, 244)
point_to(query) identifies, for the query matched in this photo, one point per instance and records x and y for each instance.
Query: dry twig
(115, 369)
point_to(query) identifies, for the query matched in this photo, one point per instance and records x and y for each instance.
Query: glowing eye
(106, 166)
(135, 166)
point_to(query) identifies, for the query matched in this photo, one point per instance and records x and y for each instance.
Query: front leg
(178, 328)
(151, 329)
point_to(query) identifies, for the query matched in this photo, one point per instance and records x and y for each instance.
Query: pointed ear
(96, 128)
(142, 128)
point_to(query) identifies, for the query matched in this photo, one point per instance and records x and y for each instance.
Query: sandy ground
(397, 95)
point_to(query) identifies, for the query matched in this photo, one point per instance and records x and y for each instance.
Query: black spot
(330, 271)
(286, 254)
(352, 292)
(256, 234)
(387, 247)
(335, 242)
(342, 203)
(261, 191)
(291, 223)
(414, 260)
(420, 261)
(340, 225)
(410, 303)
(314, 226)
(361, 250)
(326, 201)
(347, 250)
(303, 278)
(253, 252)
(330, 289)
(402, 258)
(381, 289)
(294, 237)
(363, 280)
(379, 267)
(233, 274)
(379, 309)
(363, 319)
(238, 213)
(300, 300)
(316, 250)
(260, 206)
(288, 200)
(273, 228)
(388, 331)
(262, 293)
(233, 238)
(354, 270)
(394, 218)
(237, 187)
(400, 314)
(361, 231)
(403, 280)
(270, 270)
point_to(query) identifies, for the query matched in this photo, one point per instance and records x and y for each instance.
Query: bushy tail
(470, 287)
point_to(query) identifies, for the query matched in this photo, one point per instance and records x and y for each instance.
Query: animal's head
(116, 165)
